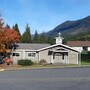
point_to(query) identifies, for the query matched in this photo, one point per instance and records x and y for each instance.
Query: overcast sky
(42, 15)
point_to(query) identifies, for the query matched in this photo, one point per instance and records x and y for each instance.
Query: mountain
(71, 28)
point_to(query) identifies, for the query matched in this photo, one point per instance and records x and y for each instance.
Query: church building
(57, 53)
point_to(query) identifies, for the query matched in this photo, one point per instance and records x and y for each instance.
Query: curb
(2, 70)
(12, 69)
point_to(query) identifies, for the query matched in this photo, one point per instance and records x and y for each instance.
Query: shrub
(8, 61)
(25, 62)
(43, 62)
(85, 56)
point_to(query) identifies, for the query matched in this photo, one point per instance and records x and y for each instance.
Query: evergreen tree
(50, 40)
(23, 38)
(15, 27)
(7, 26)
(43, 38)
(36, 37)
(26, 37)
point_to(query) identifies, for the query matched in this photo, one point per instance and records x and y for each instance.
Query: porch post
(38, 57)
(67, 58)
(79, 59)
(52, 58)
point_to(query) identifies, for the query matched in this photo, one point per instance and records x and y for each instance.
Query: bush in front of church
(43, 62)
(25, 62)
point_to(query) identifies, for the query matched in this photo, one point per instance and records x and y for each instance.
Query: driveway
(46, 79)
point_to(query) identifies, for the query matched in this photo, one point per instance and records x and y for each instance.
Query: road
(46, 79)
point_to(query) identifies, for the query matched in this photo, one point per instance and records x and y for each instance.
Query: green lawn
(85, 63)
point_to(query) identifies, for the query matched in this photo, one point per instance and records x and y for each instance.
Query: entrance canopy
(59, 51)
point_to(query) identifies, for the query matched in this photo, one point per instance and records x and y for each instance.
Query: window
(31, 54)
(16, 54)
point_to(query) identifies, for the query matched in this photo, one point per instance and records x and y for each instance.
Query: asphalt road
(46, 79)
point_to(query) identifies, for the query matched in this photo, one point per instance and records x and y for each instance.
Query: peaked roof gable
(58, 45)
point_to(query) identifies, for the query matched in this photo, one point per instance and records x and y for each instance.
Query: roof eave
(57, 45)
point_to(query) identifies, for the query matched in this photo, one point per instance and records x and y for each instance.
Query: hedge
(25, 62)
(85, 56)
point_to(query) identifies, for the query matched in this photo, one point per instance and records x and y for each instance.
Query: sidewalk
(18, 67)
(4, 67)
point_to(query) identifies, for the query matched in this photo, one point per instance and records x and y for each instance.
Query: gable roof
(78, 43)
(58, 45)
(40, 47)
(31, 46)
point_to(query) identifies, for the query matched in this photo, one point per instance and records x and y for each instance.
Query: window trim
(17, 53)
(31, 53)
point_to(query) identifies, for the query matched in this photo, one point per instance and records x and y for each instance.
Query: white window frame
(18, 53)
(31, 55)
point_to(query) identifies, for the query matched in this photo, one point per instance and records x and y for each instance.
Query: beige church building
(57, 53)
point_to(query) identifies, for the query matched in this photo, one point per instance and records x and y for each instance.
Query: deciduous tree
(11, 37)
(7, 37)
(2, 46)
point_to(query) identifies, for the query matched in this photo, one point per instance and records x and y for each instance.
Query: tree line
(27, 37)
(79, 37)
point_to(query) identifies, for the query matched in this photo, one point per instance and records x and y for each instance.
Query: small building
(79, 45)
(57, 53)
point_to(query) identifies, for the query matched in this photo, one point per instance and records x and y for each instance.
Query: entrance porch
(59, 57)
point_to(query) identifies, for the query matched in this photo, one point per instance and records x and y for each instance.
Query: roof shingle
(31, 46)
(78, 43)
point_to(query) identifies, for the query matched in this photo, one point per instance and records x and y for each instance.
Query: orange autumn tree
(8, 38)
(12, 37)
(2, 38)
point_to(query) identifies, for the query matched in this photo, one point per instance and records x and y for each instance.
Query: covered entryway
(59, 57)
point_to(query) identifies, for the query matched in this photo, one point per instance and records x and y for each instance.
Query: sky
(42, 15)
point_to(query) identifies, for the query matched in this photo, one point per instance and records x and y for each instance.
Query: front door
(57, 57)
(60, 58)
